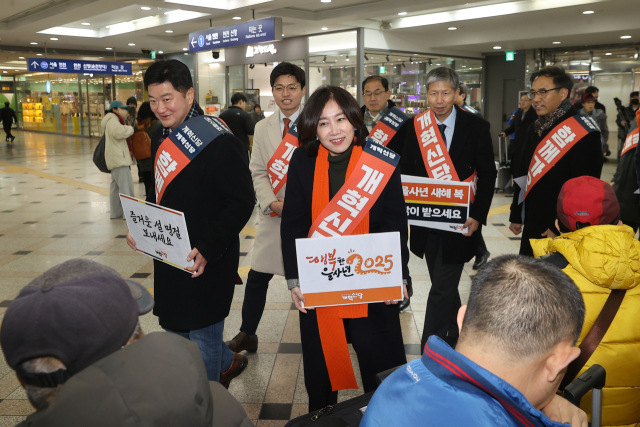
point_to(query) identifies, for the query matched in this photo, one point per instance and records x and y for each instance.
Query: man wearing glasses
(288, 87)
(560, 145)
(376, 94)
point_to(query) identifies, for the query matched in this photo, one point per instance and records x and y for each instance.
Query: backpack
(141, 145)
(98, 156)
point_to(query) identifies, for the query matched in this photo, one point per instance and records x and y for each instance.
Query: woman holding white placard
(332, 134)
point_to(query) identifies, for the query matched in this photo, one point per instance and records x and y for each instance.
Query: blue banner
(51, 65)
(243, 33)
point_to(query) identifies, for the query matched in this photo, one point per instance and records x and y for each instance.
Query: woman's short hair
(310, 116)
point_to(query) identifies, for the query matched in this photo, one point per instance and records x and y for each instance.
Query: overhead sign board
(241, 34)
(51, 65)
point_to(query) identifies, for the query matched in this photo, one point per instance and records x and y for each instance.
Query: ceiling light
(145, 8)
(402, 13)
(160, 51)
(86, 23)
(109, 48)
(132, 44)
(168, 31)
(33, 43)
(21, 57)
(283, 35)
(38, 54)
(622, 37)
(325, 1)
(29, 75)
(16, 70)
(608, 53)
(185, 48)
(347, 57)
(556, 42)
(452, 28)
(587, 12)
(436, 64)
(497, 47)
(324, 59)
(53, 38)
(5, 71)
(236, 17)
(324, 28)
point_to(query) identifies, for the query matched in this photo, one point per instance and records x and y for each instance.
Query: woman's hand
(298, 299)
(404, 292)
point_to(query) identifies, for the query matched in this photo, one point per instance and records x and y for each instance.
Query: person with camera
(626, 116)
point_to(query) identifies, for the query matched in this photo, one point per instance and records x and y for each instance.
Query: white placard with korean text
(159, 232)
(349, 270)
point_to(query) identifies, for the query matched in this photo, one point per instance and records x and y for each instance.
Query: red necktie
(286, 127)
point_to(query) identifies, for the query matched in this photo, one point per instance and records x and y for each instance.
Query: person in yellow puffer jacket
(600, 254)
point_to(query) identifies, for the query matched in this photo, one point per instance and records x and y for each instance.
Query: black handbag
(98, 156)
(344, 414)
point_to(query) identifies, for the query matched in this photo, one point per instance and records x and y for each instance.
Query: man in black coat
(215, 193)
(239, 121)
(7, 116)
(471, 150)
(550, 91)
(523, 118)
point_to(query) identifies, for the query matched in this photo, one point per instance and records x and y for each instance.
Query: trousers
(7, 130)
(443, 302)
(255, 297)
(377, 340)
(121, 182)
(216, 355)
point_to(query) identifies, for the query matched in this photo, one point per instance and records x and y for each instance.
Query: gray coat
(159, 380)
(601, 119)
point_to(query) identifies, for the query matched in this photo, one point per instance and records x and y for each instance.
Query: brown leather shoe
(242, 341)
(240, 362)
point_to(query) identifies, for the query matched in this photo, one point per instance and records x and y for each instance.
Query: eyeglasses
(280, 88)
(542, 92)
(377, 93)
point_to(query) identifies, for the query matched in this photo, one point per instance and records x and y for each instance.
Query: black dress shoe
(482, 260)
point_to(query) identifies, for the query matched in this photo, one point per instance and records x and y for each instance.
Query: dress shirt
(293, 118)
(450, 123)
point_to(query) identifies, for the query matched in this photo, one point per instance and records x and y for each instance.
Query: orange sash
(556, 144)
(278, 165)
(387, 127)
(631, 141)
(368, 172)
(434, 151)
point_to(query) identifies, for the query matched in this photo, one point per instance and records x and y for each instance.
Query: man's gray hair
(463, 88)
(522, 306)
(41, 397)
(443, 74)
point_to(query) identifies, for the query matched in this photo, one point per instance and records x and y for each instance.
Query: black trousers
(377, 340)
(482, 247)
(255, 297)
(443, 302)
(147, 178)
(7, 130)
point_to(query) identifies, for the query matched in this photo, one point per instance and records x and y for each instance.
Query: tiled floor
(53, 207)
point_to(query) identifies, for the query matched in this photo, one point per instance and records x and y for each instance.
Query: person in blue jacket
(517, 336)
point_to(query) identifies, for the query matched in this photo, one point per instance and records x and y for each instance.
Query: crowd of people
(73, 335)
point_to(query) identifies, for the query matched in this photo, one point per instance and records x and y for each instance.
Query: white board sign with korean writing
(436, 203)
(159, 232)
(350, 269)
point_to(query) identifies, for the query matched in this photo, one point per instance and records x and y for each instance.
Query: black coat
(388, 213)
(398, 141)
(584, 158)
(471, 150)
(625, 185)
(240, 123)
(8, 116)
(519, 127)
(215, 192)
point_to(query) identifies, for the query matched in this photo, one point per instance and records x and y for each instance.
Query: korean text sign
(159, 232)
(349, 270)
(436, 203)
(240, 34)
(52, 65)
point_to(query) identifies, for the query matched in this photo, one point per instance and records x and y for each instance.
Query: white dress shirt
(450, 123)
(293, 118)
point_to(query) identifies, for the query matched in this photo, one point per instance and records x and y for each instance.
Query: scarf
(542, 124)
(129, 142)
(371, 121)
(193, 112)
(330, 324)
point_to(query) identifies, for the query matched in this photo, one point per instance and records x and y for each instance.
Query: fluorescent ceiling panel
(488, 11)
(219, 4)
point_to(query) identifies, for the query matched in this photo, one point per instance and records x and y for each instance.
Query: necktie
(444, 138)
(286, 126)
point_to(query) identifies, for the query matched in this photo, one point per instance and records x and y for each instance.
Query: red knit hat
(587, 201)
(588, 97)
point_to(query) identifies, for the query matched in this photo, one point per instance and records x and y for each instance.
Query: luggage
(98, 156)
(141, 145)
(503, 165)
(344, 414)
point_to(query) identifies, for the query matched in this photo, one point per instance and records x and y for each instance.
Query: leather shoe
(243, 341)
(240, 362)
(480, 261)
(404, 304)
